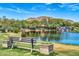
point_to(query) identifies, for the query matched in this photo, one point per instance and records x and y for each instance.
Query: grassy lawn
(4, 36)
(20, 48)
(60, 50)
(14, 52)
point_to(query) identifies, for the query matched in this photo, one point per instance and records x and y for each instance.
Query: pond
(64, 37)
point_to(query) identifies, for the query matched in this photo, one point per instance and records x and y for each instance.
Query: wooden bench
(44, 48)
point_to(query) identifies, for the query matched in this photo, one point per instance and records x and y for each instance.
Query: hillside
(15, 25)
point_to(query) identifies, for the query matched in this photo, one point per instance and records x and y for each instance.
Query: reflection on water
(64, 37)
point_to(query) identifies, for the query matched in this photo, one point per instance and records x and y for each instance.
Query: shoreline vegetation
(38, 24)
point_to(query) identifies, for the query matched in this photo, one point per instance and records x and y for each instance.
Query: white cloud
(49, 9)
(33, 8)
(14, 10)
(48, 3)
(42, 7)
(61, 6)
(19, 10)
(38, 7)
(72, 7)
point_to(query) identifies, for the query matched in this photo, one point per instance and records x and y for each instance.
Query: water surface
(64, 37)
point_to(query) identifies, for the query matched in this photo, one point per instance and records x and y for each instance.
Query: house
(64, 29)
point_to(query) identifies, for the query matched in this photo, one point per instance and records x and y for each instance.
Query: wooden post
(10, 43)
(20, 36)
(32, 45)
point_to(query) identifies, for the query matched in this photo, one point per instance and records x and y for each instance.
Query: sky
(26, 10)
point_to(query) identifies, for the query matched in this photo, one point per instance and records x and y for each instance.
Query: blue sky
(26, 10)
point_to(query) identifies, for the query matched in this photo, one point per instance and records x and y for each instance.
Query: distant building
(64, 29)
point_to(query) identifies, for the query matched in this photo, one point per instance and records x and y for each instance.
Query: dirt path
(63, 47)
